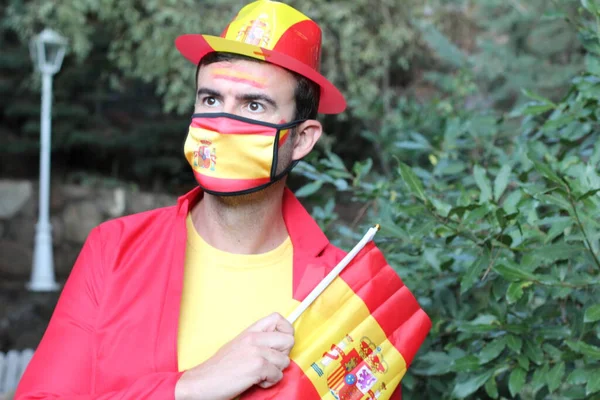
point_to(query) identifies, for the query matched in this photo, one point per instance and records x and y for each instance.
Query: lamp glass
(47, 50)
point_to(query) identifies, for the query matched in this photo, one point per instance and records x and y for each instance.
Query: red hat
(276, 33)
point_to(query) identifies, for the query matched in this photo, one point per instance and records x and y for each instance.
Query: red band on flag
(390, 302)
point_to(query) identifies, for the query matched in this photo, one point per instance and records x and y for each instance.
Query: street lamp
(47, 52)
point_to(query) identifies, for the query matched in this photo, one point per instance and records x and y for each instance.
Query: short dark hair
(306, 94)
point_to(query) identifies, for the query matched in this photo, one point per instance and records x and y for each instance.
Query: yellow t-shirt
(224, 293)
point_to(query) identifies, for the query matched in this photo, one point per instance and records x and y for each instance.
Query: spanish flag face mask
(232, 155)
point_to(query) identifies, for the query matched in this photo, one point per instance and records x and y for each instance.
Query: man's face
(249, 89)
(255, 90)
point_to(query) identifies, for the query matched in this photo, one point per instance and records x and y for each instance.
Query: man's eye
(255, 107)
(209, 101)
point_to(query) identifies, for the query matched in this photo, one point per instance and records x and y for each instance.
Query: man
(156, 301)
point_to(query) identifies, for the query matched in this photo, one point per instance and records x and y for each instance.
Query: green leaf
(577, 377)
(555, 376)
(514, 292)
(535, 109)
(335, 161)
(557, 199)
(589, 5)
(501, 181)
(585, 349)
(443, 47)
(501, 217)
(390, 229)
(412, 181)
(587, 194)
(545, 170)
(409, 145)
(467, 363)
(516, 380)
(492, 350)
(533, 352)
(539, 377)
(523, 362)
(593, 383)
(537, 97)
(309, 189)
(505, 240)
(555, 332)
(512, 273)
(552, 351)
(483, 183)
(477, 214)
(491, 388)
(514, 343)
(474, 271)
(558, 228)
(440, 363)
(460, 210)
(362, 168)
(592, 314)
(470, 386)
(558, 251)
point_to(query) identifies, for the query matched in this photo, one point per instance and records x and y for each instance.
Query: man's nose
(230, 107)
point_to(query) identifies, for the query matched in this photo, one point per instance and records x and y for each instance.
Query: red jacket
(113, 334)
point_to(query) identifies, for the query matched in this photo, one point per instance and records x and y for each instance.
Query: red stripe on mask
(228, 126)
(228, 185)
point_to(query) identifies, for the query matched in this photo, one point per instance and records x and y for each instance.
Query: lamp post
(47, 52)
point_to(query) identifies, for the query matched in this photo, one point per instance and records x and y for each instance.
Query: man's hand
(257, 356)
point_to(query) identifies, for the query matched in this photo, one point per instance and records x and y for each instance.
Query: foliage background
(471, 135)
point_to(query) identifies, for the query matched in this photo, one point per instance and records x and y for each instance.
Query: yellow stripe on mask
(339, 317)
(230, 156)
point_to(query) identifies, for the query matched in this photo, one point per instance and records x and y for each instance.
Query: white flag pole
(332, 275)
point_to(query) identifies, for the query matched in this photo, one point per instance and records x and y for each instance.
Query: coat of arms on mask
(354, 370)
(206, 155)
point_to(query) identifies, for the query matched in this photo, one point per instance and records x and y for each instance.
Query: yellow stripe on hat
(253, 26)
(227, 46)
(326, 323)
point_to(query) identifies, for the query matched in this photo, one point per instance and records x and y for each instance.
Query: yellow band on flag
(359, 358)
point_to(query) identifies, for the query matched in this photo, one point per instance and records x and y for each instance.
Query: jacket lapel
(311, 263)
(166, 343)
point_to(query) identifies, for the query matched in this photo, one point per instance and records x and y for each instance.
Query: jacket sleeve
(64, 362)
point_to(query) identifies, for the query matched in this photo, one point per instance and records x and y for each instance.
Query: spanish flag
(356, 341)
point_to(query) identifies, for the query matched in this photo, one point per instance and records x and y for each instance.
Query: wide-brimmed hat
(276, 33)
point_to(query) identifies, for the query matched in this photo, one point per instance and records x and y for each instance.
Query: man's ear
(307, 135)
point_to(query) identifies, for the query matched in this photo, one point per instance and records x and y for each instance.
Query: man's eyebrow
(257, 97)
(208, 92)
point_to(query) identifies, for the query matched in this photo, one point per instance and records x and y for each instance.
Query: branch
(580, 224)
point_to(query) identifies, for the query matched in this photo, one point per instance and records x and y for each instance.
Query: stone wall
(74, 211)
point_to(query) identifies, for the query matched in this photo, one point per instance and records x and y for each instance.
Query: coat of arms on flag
(355, 369)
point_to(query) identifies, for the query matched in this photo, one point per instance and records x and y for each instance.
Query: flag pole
(332, 275)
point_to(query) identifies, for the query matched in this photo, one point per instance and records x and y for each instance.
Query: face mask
(232, 155)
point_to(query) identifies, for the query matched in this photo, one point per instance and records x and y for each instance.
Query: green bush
(123, 96)
(496, 230)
